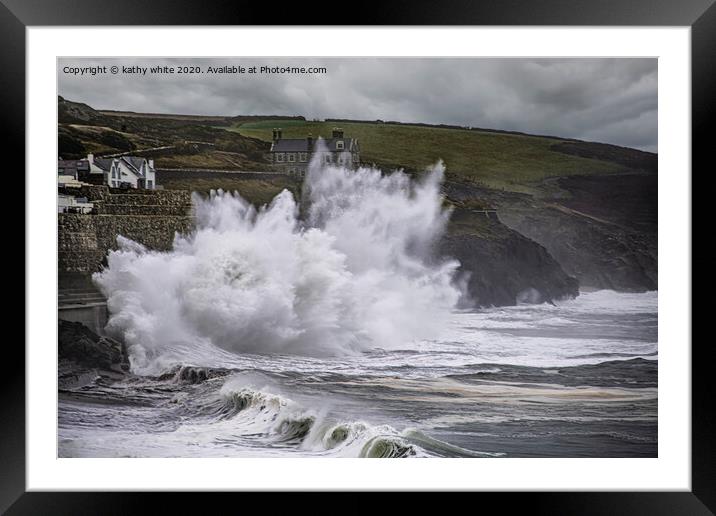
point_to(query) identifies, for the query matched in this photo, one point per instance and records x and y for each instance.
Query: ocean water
(328, 327)
(574, 380)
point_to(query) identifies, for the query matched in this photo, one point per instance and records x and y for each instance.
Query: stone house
(292, 155)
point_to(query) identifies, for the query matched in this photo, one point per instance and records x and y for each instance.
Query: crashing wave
(260, 414)
(355, 272)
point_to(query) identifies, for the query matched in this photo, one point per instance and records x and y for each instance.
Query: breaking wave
(269, 417)
(354, 271)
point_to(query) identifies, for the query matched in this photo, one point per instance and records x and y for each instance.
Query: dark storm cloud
(605, 100)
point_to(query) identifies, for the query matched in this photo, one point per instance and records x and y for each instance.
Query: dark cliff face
(501, 267)
(601, 229)
(600, 255)
(81, 345)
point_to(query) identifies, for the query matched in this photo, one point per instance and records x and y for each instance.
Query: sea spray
(356, 272)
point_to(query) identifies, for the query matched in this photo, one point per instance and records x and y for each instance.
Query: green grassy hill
(498, 160)
(592, 206)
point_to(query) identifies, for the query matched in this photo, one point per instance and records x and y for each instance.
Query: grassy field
(497, 160)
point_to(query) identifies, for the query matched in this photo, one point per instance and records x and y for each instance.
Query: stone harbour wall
(149, 217)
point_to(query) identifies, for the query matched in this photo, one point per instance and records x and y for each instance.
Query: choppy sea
(575, 379)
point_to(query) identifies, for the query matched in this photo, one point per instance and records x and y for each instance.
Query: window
(279, 156)
(339, 145)
(328, 158)
(303, 156)
(291, 157)
(149, 184)
(355, 157)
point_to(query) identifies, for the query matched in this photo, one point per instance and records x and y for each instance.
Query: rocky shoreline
(84, 356)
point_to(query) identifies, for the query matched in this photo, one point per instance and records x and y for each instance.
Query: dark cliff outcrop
(599, 254)
(79, 344)
(501, 267)
(601, 229)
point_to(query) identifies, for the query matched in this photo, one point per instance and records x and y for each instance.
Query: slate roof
(301, 144)
(290, 145)
(134, 162)
(103, 163)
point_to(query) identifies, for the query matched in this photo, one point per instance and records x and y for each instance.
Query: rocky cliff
(500, 266)
(602, 229)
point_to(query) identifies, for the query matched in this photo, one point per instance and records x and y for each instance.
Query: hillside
(173, 141)
(591, 207)
(494, 159)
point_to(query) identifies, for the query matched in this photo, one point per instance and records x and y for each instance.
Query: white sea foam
(355, 274)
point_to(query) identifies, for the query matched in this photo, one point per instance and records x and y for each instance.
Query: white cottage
(131, 172)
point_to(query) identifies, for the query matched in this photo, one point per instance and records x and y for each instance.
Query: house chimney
(274, 136)
(90, 158)
(151, 163)
(310, 142)
(280, 133)
(337, 132)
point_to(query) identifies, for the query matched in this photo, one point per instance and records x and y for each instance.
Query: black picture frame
(700, 15)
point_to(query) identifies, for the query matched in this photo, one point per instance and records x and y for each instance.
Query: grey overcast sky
(604, 100)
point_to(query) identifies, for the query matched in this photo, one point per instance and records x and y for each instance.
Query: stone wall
(150, 217)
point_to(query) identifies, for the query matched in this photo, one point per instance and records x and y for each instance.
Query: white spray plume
(355, 274)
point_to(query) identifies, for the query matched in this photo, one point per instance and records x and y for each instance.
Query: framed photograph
(454, 239)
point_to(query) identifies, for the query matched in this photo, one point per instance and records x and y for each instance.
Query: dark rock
(82, 346)
(602, 230)
(191, 374)
(501, 267)
(601, 255)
